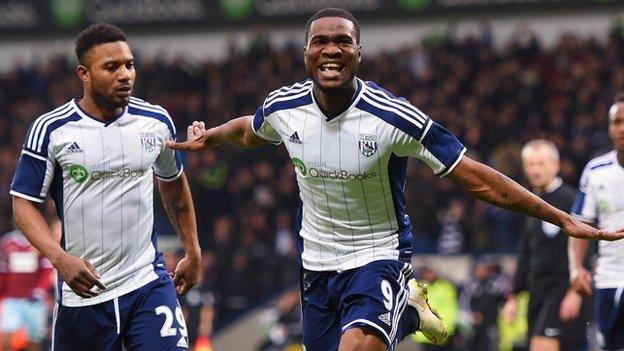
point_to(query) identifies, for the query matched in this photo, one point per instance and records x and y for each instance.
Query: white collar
(554, 185)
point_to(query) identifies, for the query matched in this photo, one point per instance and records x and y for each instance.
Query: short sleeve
(584, 207)
(263, 128)
(168, 165)
(437, 147)
(34, 172)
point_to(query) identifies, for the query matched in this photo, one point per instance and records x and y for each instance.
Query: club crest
(367, 144)
(148, 141)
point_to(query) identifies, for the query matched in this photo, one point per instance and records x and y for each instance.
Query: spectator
(25, 281)
(482, 296)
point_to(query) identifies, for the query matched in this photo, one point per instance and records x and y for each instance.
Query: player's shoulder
(41, 128)
(394, 110)
(288, 97)
(64, 109)
(143, 109)
(58, 114)
(378, 90)
(601, 162)
(383, 99)
(286, 90)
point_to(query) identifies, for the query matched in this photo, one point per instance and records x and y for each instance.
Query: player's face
(540, 167)
(332, 54)
(110, 74)
(616, 126)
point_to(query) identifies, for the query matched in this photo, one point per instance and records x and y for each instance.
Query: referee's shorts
(543, 316)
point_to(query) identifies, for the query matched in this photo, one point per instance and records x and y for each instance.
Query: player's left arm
(178, 201)
(491, 186)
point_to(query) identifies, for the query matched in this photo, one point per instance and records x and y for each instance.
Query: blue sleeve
(29, 178)
(258, 119)
(444, 146)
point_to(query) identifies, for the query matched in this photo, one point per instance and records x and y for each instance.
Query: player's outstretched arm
(494, 187)
(78, 273)
(178, 201)
(236, 131)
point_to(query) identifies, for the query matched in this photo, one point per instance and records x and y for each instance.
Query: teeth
(330, 66)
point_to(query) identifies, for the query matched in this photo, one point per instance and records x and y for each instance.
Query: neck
(334, 102)
(620, 157)
(97, 109)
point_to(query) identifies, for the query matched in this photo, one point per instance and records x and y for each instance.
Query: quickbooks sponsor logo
(314, 172)
(300, 166)
(340, 175)
(119, 174)
(78, 173)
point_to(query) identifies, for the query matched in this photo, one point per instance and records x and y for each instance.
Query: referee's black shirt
(543, 247)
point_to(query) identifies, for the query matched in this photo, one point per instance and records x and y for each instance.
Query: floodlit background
(496, 73)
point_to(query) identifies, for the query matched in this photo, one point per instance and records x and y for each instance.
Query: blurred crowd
(493, 99)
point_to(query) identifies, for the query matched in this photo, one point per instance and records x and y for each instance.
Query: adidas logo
(74, 148)
(182, 343)
(294, 138)
(385, 318)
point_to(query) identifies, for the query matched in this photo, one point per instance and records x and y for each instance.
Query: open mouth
(331, 69)
(124, 91)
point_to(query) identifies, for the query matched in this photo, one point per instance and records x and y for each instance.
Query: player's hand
(197, 138)
(581, 230)
(80, 275)
(570, 306)
(186, 274)
(581, 281)
(510, 310)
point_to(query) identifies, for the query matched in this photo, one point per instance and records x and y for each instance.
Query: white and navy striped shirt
(100, 176)
(351, 170)
(600, 200)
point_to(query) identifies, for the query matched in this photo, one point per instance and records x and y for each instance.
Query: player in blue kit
(97, 156)
(349, 141)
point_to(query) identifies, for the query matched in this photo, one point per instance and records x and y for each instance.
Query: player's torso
(343, 169)
(104, 181)
(92, 154)
(607, 186)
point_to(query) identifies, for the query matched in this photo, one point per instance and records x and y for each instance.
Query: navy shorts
(149, 318)
(373, 296)
(610, 313)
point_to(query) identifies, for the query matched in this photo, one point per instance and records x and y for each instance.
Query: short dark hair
(97, 34)
(333, 12)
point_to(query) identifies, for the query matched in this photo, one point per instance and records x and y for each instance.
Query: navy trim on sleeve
(29, 176)
(443, 145)
(258, 119)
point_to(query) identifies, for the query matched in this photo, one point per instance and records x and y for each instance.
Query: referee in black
(543, 261)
